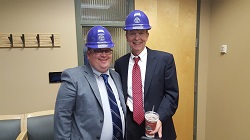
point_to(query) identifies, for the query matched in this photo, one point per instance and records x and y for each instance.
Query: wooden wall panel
(174, 30)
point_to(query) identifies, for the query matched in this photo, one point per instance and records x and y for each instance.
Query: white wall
(24, 83)
(204, 43)
(224, 80)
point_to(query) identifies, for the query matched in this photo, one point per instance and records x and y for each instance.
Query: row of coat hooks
(46, 40)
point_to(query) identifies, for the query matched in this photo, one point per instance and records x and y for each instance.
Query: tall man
(157, 86)
(90, 103)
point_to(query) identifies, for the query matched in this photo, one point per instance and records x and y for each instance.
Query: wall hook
(23, 40)
(52, 39)
(38, 40)
(11, 40)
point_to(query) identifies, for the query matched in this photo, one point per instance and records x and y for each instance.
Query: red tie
(138, 111)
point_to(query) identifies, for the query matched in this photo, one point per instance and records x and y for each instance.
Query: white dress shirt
(107, 129)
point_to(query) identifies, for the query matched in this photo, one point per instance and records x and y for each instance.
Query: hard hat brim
(137, 27)
(100, 46)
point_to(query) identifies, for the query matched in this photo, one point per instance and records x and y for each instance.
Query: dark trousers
(133, 130)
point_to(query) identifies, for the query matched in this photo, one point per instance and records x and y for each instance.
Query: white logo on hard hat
(137, 14)
(137, 20)
(101, 37)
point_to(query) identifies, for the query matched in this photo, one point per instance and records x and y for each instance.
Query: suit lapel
(119, 89)
(152, 60)
(124, 74)
(92, 82)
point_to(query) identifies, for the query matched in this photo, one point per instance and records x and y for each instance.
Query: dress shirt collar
(98, 74)
(142, 55)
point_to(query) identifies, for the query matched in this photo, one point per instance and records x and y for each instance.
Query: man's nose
(137, 36)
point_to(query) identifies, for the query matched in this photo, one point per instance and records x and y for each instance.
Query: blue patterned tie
(116, 118)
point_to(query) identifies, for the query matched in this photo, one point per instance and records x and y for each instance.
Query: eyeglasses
(100, 51)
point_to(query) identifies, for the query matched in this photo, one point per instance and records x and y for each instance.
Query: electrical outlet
(223, 49)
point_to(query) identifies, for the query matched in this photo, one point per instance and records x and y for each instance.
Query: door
(174, 30)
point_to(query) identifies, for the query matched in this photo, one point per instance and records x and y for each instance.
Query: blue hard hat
(99, 37)
(137, 20)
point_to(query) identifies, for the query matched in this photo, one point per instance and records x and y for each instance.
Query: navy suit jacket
(78, 110)
(160, 87)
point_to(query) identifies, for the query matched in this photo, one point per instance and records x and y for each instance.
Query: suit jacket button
(101, 121)
(98, 137)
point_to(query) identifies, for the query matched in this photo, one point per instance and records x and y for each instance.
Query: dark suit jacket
(78, 111)
(160, 87)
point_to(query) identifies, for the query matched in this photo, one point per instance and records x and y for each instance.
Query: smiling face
(100, 59)
(137, 40)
